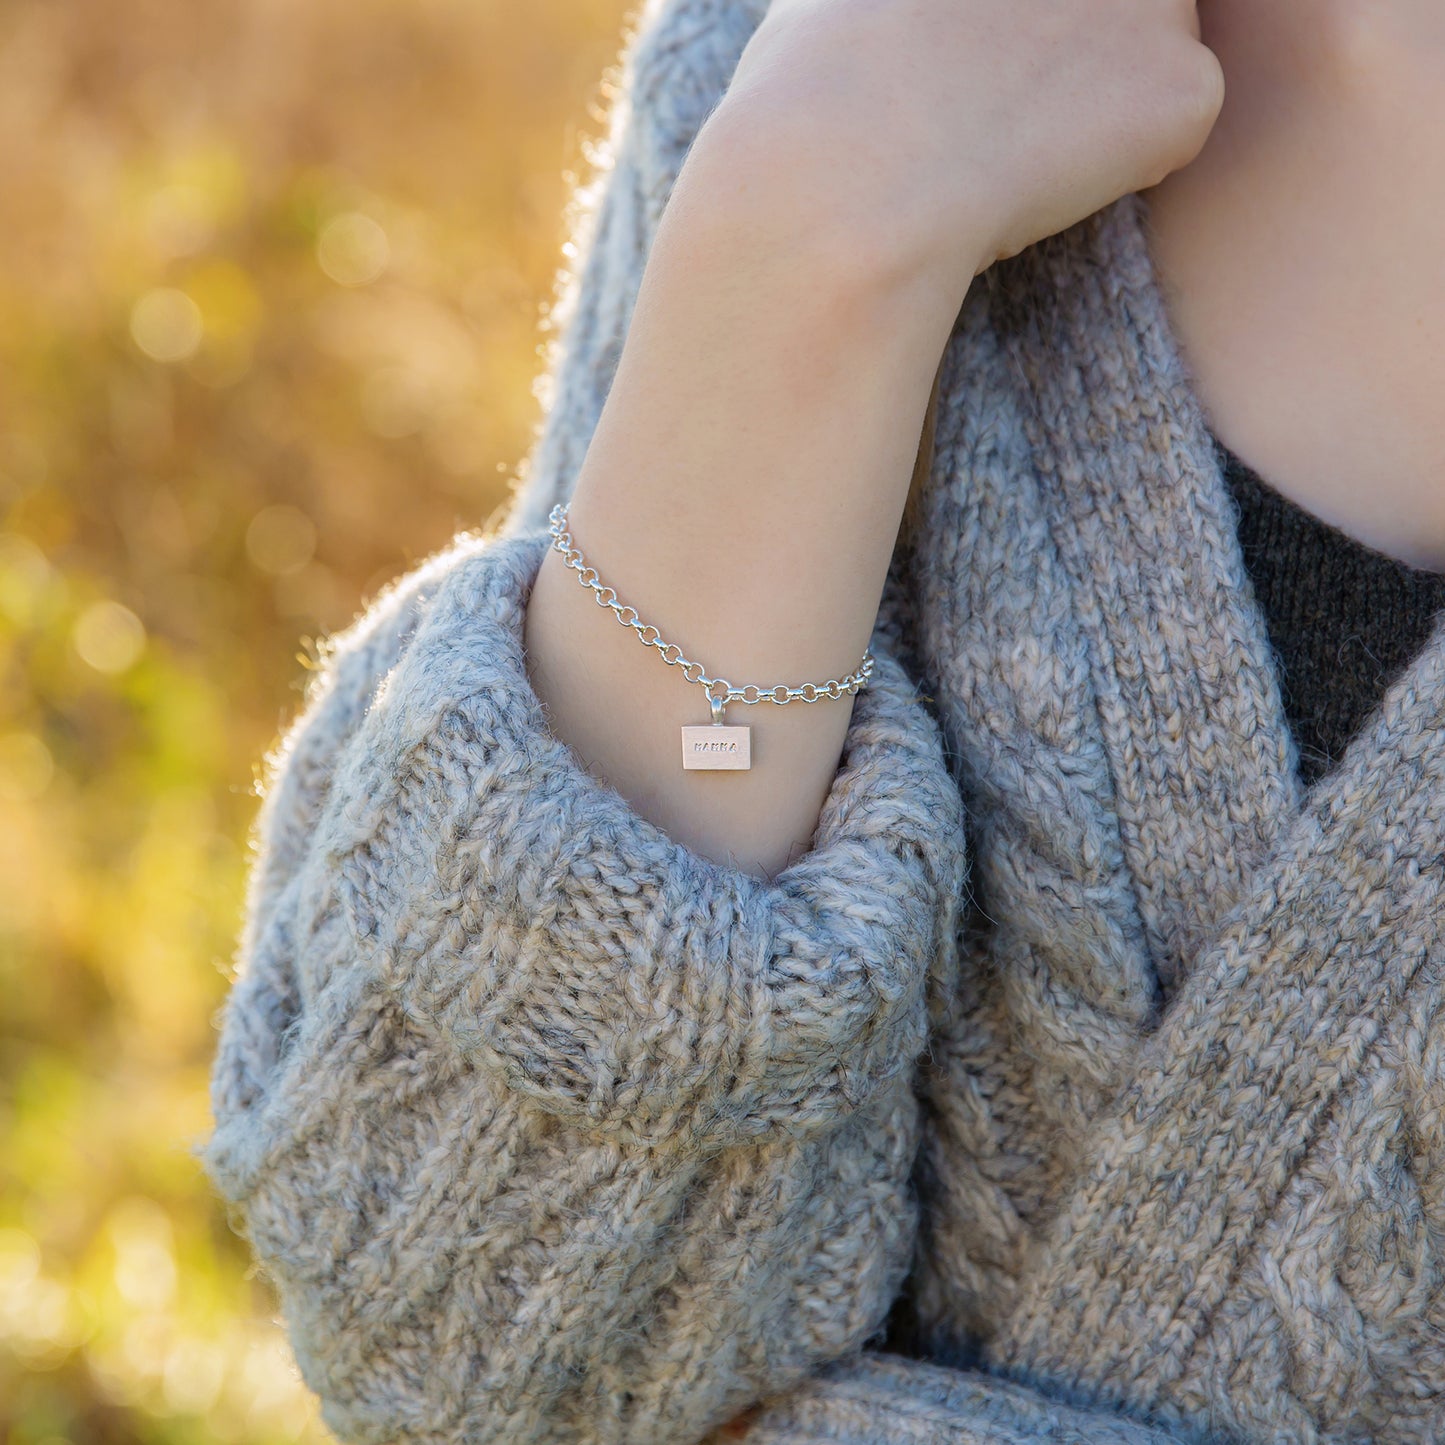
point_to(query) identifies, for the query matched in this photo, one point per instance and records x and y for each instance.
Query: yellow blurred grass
(271, 273)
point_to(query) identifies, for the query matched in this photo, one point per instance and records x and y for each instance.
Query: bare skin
(746, 480)
(1301, 260)
(1299, 254)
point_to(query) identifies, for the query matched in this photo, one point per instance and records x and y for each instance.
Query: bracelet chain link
(718, 689)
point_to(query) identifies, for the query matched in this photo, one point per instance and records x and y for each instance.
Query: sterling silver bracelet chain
(714, 746)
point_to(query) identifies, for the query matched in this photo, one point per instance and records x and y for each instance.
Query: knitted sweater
(1084, 1036)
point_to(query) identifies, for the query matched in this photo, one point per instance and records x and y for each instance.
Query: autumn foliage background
(273, 276)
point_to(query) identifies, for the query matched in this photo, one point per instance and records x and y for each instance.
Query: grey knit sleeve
(519, 908)
(879, 1399)
(544, 1127)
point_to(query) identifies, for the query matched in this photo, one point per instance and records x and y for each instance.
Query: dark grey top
(1344, 619)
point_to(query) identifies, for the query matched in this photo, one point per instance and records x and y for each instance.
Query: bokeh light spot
(194, 1373)
(145, 1265)
(26, 767)
(179, 220)
(19, 1261)
(166, 324)
(352, 249)
(281, 539)
(109, 637)
(24, 575)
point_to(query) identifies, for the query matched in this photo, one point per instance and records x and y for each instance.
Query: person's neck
(1300, 259)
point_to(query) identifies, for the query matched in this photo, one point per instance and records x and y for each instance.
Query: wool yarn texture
(1088, 1060)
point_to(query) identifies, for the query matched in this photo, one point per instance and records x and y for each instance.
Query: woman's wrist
(772, 400)
(742, 490)
(759, 181)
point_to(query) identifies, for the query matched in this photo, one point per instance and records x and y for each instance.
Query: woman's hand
(943, 135)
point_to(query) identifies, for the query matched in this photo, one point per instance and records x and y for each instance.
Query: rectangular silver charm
(717, 747)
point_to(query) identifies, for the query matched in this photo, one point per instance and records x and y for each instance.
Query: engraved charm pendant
(715, 747)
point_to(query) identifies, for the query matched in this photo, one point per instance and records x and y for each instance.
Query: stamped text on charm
(719, 748)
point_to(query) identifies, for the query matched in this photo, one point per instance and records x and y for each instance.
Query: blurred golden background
(272, 282)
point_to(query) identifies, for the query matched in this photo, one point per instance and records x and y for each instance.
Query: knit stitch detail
(1282, 1016)
(612, 975)
(488, 963)
(885, 1398)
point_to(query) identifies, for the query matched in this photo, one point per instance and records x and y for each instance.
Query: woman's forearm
(743, 492)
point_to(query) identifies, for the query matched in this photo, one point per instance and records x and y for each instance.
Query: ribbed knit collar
(1237, 872)
(1145, 526)
(1203, 758)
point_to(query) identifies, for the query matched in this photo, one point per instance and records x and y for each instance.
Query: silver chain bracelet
(714, 746)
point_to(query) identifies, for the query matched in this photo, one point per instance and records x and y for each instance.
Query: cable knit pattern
(1123, 1108)
(546, 1127)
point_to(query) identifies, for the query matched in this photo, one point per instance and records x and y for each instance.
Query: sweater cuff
(520, 907)
(883, 1399)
